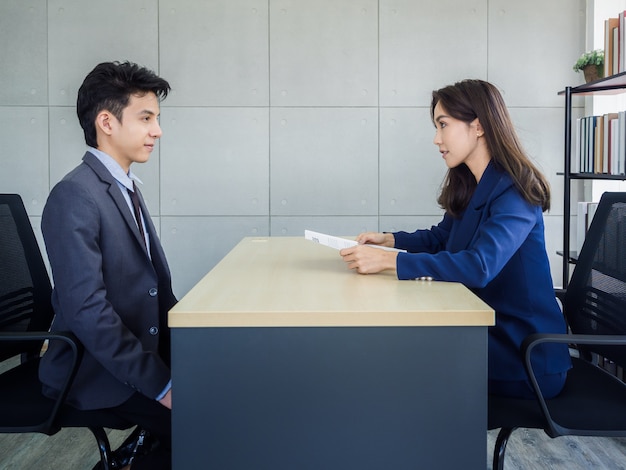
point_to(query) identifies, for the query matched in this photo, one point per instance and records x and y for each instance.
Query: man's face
(132, 139)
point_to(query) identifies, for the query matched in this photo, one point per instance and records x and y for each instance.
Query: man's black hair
(109, 87)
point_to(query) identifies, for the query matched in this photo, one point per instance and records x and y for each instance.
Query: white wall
(284, 114)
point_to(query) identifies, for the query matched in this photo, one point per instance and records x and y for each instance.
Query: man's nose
(156, 130)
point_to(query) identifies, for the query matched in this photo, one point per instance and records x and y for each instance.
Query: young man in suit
(112, 284)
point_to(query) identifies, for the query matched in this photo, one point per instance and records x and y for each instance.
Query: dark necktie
(135, 200)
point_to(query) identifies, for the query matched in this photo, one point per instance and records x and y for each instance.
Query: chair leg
(103, 446)
(500, 448)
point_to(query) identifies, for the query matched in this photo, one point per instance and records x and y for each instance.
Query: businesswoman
(491, 237)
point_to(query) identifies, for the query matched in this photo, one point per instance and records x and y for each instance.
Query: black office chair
(25, 318)
(593, 402)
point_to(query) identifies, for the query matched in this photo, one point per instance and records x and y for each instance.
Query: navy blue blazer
(497, 249)
(107, 291)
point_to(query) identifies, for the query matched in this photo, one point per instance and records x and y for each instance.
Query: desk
(282, 358)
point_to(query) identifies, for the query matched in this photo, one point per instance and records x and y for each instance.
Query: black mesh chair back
(595, 302)
(26, 315)
(24, 283)
(593, 400)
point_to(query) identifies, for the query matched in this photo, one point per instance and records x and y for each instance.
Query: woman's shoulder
(503, 195)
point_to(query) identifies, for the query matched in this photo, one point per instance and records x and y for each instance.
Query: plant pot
(593, 72)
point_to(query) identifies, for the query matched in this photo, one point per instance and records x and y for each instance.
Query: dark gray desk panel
(329, 398)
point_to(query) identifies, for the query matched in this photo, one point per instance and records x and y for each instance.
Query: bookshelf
(610, 85)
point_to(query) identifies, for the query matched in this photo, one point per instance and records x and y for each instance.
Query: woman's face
(457, 140)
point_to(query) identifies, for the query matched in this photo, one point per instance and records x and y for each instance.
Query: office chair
(593, 401)
(25, 318)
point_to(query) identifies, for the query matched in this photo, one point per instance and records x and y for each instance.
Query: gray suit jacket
(107, 291)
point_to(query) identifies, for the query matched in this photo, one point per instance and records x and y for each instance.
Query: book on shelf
(620, 42)
(608, 150)
(600, 144)
(620, 164)
(615, 44)
(611, 38)
(611, 142)
(598, 148)
(616, 48)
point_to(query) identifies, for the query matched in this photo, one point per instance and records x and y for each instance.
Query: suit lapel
(156, 250)
(157, 255)
(149, 227)
(116, 194)
(464, 231)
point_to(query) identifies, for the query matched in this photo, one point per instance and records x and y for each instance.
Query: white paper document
(338, 243)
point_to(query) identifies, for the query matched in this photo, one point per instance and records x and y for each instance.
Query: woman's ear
(479, 129)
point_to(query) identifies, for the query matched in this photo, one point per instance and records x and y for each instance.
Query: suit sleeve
(506, 225)
(425, 241)
(72, 225)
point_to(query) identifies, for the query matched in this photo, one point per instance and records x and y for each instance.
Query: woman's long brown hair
(470, 99)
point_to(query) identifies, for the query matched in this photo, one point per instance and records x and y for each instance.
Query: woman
(491, 237)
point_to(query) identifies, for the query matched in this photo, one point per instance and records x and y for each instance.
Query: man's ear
(104, 122)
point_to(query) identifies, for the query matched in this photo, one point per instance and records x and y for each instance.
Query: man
(112, 285)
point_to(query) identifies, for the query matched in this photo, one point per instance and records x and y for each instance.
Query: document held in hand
(338, 243)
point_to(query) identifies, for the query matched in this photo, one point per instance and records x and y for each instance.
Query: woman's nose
(437, 138)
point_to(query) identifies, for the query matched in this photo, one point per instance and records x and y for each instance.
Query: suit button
(153, 330)
(153, 292)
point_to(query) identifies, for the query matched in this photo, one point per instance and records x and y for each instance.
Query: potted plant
(592, 65)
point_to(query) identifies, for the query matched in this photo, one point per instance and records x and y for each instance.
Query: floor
(527, 450)
(530, 449)
(74, 449)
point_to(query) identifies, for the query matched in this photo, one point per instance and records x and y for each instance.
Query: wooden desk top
(293, 282)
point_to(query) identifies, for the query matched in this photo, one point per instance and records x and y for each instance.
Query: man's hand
(166, 401)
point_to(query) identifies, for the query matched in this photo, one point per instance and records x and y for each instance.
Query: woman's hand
(369, 260)
(374, 238)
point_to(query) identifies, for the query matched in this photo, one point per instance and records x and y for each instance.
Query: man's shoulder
(86, 172)
(82, 182)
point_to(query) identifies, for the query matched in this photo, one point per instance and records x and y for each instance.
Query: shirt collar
(125, 179)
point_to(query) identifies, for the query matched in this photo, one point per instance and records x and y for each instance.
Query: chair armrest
(599, 340)
(531, 341)
(560, 294)
(67, 337)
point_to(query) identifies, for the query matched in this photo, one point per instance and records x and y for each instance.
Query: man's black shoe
(138, 443)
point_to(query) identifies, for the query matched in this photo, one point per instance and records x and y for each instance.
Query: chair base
(500, 447)
(104, 447)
